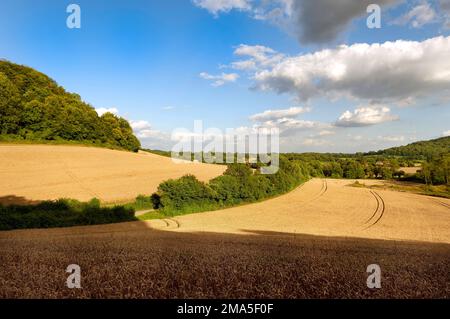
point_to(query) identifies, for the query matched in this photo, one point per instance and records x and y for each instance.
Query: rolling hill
(423, 149)
(33, 107)
(41, 172)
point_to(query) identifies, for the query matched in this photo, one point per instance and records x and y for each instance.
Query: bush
(239, 184)
(183, 192)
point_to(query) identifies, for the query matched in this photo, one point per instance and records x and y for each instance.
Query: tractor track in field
(441, 203)
(380, 210)
(322, 192)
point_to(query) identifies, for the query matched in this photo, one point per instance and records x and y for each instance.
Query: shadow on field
(129, 260)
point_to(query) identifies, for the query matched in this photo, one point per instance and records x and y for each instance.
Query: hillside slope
(34, 107)
(424, 149)
(39, 172)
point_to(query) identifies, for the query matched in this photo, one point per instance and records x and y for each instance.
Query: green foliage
(33, 107)
(61, 213)
(436, 172)
(239, 184)
(185, 191)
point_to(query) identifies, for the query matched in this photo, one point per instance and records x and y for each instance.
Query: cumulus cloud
(321, 21)
(100, 111)
(286, 120)
(257, 57)
(417, 16)
(143, 129)
(446, 133)
(317, 21)
(140, 125)
(219, 80)
(271, 115)
(390, 71)
(217, 6)
(392, 138)
(365, 116)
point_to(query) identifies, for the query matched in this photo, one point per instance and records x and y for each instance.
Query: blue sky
(164, 64)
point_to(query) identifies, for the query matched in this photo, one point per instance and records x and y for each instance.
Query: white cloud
(149, 137)
(392, 138)
(286, 121)
(390, 71)
(217, 6)
(365, 116)
(244, 65)
(100, 111)
(258, 57)
(279, 114)
(313, 142)
(446, 133)
(418, 16)
(219, 80)
(326, 133)
(140, 125)
(168, 108)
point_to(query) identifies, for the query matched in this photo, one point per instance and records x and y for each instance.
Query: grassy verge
(193, 209)
(62, 213)
(429, 190)
(151, 215)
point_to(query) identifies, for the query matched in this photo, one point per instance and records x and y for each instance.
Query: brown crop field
(40, 172)
(314, 242)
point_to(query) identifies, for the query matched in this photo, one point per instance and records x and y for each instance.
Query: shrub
(239, 184)
(182, 192)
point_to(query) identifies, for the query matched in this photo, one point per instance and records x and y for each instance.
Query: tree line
(239, 184)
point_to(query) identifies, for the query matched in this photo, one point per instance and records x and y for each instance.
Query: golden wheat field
(314, 242)
(133, 261)
(40, 172)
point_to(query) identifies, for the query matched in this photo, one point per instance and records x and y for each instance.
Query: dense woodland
(426, 150)
(33, 107)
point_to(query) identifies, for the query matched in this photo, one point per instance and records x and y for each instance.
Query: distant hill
(34, 107)
(425, 149)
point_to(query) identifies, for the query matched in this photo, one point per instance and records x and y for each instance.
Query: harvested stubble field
(315, 242)
(40, 172)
